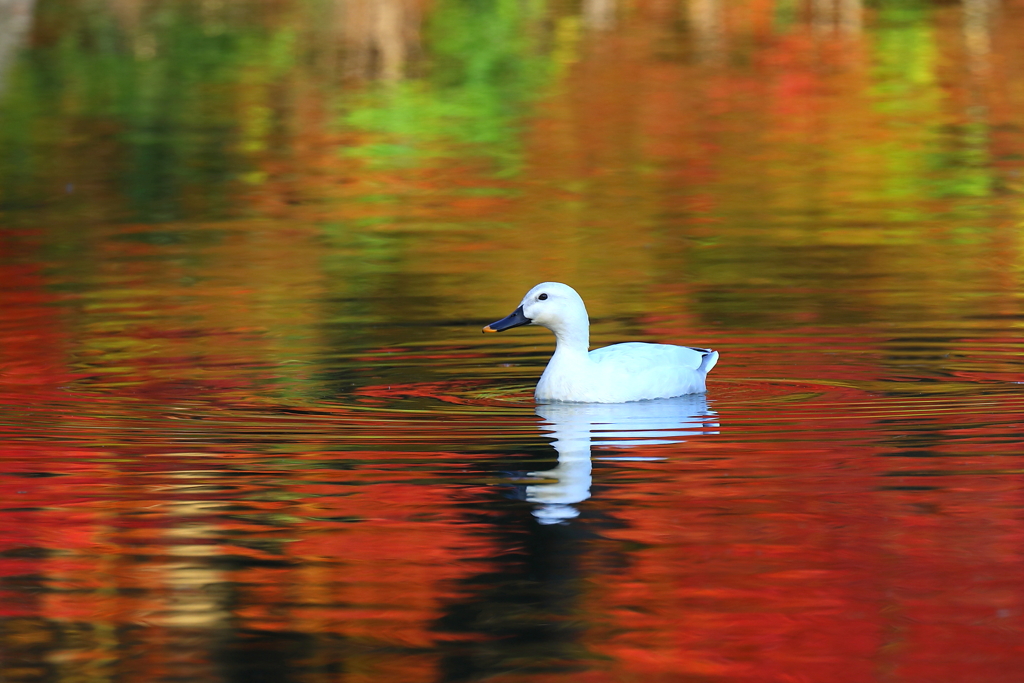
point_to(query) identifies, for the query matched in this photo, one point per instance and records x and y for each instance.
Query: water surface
(251, 430)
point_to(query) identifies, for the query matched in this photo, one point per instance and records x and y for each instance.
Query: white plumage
(620, 373)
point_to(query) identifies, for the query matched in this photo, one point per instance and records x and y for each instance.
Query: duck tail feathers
(709, 361)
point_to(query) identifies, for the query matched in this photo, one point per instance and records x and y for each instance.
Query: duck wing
(640, 357)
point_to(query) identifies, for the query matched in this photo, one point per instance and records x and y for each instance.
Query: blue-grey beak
(516, 319)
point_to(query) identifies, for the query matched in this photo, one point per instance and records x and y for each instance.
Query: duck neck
(573, 341)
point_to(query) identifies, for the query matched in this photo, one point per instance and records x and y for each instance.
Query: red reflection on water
(818, 563)
(826, 533)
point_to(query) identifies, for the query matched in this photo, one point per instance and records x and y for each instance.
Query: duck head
(550, 304)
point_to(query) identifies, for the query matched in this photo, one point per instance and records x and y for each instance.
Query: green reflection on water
(141, 96)
(927, 156)
(169, 106)
(487, 62)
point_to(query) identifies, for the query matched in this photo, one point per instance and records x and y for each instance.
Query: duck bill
(516, 319)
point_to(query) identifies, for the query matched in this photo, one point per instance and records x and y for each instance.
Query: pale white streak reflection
(600, 15)
(837, 16)
(380, 36)
(823, 16)
(979, 17)
(578, 427)
(851, 17)
(708, 25)
(189, 602)
(188, 598)
(15, 22)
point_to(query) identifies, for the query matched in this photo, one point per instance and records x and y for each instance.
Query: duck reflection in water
(579, 427)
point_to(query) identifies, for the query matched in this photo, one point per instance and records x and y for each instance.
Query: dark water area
(250, 430)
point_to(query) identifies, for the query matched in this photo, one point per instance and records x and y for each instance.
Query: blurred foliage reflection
(249, 425)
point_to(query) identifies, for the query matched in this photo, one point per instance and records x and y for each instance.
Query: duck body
(619, 373)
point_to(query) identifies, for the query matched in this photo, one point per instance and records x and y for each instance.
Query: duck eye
(543, 297)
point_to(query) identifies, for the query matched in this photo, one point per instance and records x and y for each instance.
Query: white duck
(619, 373)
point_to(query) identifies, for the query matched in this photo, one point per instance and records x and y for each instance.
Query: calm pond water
(250, 430)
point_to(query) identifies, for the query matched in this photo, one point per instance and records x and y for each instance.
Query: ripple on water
(461, 409)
